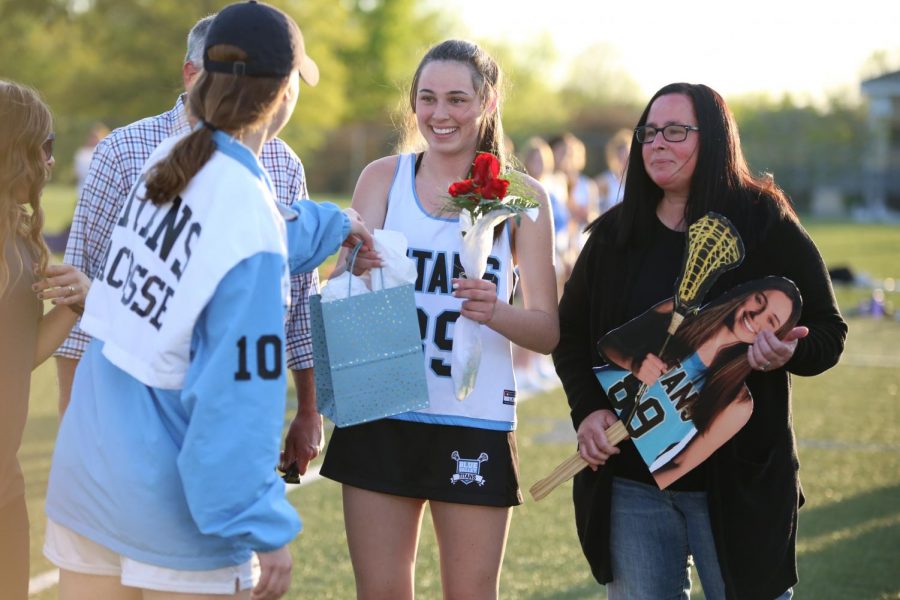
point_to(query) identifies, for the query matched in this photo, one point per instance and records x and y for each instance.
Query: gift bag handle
(351, 263)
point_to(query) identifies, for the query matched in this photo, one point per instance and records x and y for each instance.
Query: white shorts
(73, 552)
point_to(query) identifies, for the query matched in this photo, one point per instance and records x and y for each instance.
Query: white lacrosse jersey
(434, 245)
(164, 262)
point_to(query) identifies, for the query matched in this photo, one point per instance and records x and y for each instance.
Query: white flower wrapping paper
(477, 241)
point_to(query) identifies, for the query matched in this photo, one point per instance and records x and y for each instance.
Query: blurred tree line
(115, 61)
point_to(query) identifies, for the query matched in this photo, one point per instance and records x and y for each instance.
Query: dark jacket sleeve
(754, 491)
(576, 354)
(802, 263)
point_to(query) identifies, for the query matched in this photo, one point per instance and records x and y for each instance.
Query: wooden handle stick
(572, 465)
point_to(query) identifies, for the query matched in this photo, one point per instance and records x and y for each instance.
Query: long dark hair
(729, 367)
(487, 79)
(228, 102)
(722, 180)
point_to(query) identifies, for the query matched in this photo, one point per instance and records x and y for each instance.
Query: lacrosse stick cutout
(713, 247)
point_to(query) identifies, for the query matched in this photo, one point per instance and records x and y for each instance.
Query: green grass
(869, 250)
(58, 202)
(846, 422)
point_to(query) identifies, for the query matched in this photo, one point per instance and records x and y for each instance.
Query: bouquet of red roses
(486, 191)
(483, 201)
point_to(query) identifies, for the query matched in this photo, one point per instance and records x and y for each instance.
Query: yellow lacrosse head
(713, 247)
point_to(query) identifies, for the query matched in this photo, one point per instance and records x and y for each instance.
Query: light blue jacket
(185, 479)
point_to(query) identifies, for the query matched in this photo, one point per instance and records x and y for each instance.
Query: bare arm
(370, 201)
(536, 324)
(67, 288)
(65, 375)
(106, 185)
(722, 428)
(304, 440)
(52, 330)
(625, 346)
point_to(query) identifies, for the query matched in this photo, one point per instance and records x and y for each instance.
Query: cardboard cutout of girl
(695, 399)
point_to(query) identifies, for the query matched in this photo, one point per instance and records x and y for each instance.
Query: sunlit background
(765, 46)
(790, 71)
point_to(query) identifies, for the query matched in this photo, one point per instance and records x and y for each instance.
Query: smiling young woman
(457, 457)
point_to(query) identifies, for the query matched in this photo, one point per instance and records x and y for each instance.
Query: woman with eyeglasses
(735, 513)
(27, 335)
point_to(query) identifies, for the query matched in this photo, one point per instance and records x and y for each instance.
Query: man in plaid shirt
(115, 168)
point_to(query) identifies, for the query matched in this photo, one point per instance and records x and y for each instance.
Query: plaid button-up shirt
(115, 168)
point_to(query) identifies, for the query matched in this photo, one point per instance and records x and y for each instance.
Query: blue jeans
(654, 533)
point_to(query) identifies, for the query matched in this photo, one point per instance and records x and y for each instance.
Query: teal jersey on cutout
(659, 429)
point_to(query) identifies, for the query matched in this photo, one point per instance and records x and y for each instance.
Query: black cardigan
(752, 482)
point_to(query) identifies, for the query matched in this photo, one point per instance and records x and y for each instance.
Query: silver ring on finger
(71, 289)
(765, 367)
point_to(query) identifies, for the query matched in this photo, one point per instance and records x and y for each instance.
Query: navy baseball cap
(270, 38)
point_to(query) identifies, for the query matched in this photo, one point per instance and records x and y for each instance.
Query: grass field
(849, 442)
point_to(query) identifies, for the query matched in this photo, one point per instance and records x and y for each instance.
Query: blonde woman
(28, 336)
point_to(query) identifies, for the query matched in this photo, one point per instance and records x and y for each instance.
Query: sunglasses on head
(47, 146)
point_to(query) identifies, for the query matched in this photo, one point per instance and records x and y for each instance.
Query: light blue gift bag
(368, 354)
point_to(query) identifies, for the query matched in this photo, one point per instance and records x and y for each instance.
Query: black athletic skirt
(446, 463)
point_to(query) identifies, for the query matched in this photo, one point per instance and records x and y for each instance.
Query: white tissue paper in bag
(397, 269)
(478, 239)
(343, 286)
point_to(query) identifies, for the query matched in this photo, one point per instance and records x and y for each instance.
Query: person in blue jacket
(163, 476)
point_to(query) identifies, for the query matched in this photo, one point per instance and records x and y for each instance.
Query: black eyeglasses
(47, 146)
(671, 133)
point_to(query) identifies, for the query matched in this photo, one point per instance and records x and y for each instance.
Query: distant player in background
(85, 153)
(611, 182)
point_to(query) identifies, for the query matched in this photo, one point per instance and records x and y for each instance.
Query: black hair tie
(209, 126)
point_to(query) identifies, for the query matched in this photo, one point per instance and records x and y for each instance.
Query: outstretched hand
(358, 231)
(768, 352)
(366, 258)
